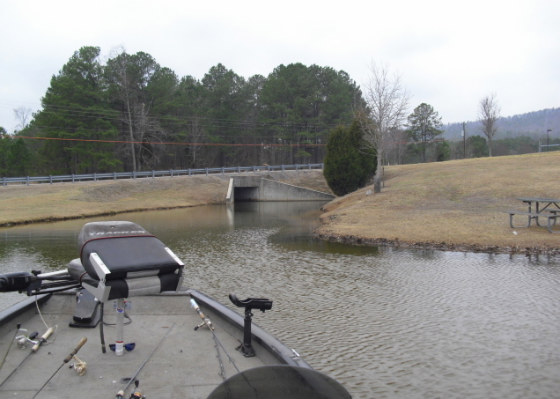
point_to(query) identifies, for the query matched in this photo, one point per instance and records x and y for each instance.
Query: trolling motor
(37, 282)
(249, 304)
(18, 281)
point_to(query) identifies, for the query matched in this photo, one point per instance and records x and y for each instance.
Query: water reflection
(387, 323)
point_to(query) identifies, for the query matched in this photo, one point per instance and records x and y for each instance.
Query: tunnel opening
(244, 194)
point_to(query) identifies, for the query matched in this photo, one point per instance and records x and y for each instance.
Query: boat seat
(122, 288)
(120, 259)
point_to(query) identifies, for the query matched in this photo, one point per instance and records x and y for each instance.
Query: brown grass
(452, 205)
(45, 202)
(50, 202)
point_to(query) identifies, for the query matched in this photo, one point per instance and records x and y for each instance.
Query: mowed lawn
(450, 205)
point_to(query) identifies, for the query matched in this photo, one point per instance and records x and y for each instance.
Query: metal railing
(153, 173)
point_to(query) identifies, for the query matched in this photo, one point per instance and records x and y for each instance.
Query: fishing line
(133, 378)
(66, 360)
(43, 320)
(219, 356)
(37, 344)
(225, 351)
(39, 311)
(10, 346)
(34, 349)
(206, 322)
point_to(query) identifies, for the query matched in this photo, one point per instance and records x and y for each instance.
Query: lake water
(386, 323)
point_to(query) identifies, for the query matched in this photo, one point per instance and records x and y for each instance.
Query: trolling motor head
(18, 281)
(37, 282)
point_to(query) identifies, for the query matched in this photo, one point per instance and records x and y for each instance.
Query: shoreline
(46, 203)
(455, 205)
(438, 246)
(337, 238)
(459, 205)
(92, 215)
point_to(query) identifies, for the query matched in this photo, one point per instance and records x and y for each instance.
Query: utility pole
(464, 141)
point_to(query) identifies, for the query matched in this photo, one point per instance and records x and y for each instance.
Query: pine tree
(75, 108)
(424, 124)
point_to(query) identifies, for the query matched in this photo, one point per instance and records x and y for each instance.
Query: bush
(349, 164)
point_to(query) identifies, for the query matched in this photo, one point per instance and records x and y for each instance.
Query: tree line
(532, 125)
(131, 114)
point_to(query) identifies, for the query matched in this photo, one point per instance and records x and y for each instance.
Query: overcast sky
(447, 53)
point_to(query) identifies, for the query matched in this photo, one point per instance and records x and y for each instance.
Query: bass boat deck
(166, 344)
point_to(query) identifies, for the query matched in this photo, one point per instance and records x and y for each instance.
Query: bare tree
(386, 104)
(129, 76)
(117, 71)
(23, 115)
(489, 114)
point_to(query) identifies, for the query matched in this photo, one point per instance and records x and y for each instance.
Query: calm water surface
(386, 323)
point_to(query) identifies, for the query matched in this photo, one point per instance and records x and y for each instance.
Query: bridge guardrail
(153, 173)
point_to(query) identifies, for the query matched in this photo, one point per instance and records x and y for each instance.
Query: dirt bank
(455, 205)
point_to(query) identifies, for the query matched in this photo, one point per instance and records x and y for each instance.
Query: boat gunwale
(21, 307)
(282, 352)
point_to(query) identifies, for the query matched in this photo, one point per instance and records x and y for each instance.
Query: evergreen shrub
(349, 163)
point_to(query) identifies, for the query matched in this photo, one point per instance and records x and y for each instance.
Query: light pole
(548, 138)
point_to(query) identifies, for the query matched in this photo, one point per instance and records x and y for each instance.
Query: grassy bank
(50, 202)
(457, 205)
(450, 205)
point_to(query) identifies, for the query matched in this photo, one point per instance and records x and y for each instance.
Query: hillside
(457, 205)
(532, 124)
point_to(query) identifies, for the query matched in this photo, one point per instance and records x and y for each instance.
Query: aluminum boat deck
(178, 362)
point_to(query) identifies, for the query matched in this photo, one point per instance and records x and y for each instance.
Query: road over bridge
(260, 188)
(22, 203)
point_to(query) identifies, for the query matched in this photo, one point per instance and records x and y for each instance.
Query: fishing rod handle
(76, 349)
(43, 338)
(194, 304)
(197, 308)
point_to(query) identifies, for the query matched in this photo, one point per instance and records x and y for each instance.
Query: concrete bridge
(258, 188)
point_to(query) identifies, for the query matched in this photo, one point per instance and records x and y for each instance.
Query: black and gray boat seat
(120, 259)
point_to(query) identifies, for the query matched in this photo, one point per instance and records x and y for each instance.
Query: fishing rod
(134, 395)
(66, 360)
(120, 393)
(205, 320)
(36, 345)
(10, 346)
(207, 323)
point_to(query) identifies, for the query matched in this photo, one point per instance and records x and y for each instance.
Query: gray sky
(447, 53)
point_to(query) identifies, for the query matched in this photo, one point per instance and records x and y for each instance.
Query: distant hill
(532, 124)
